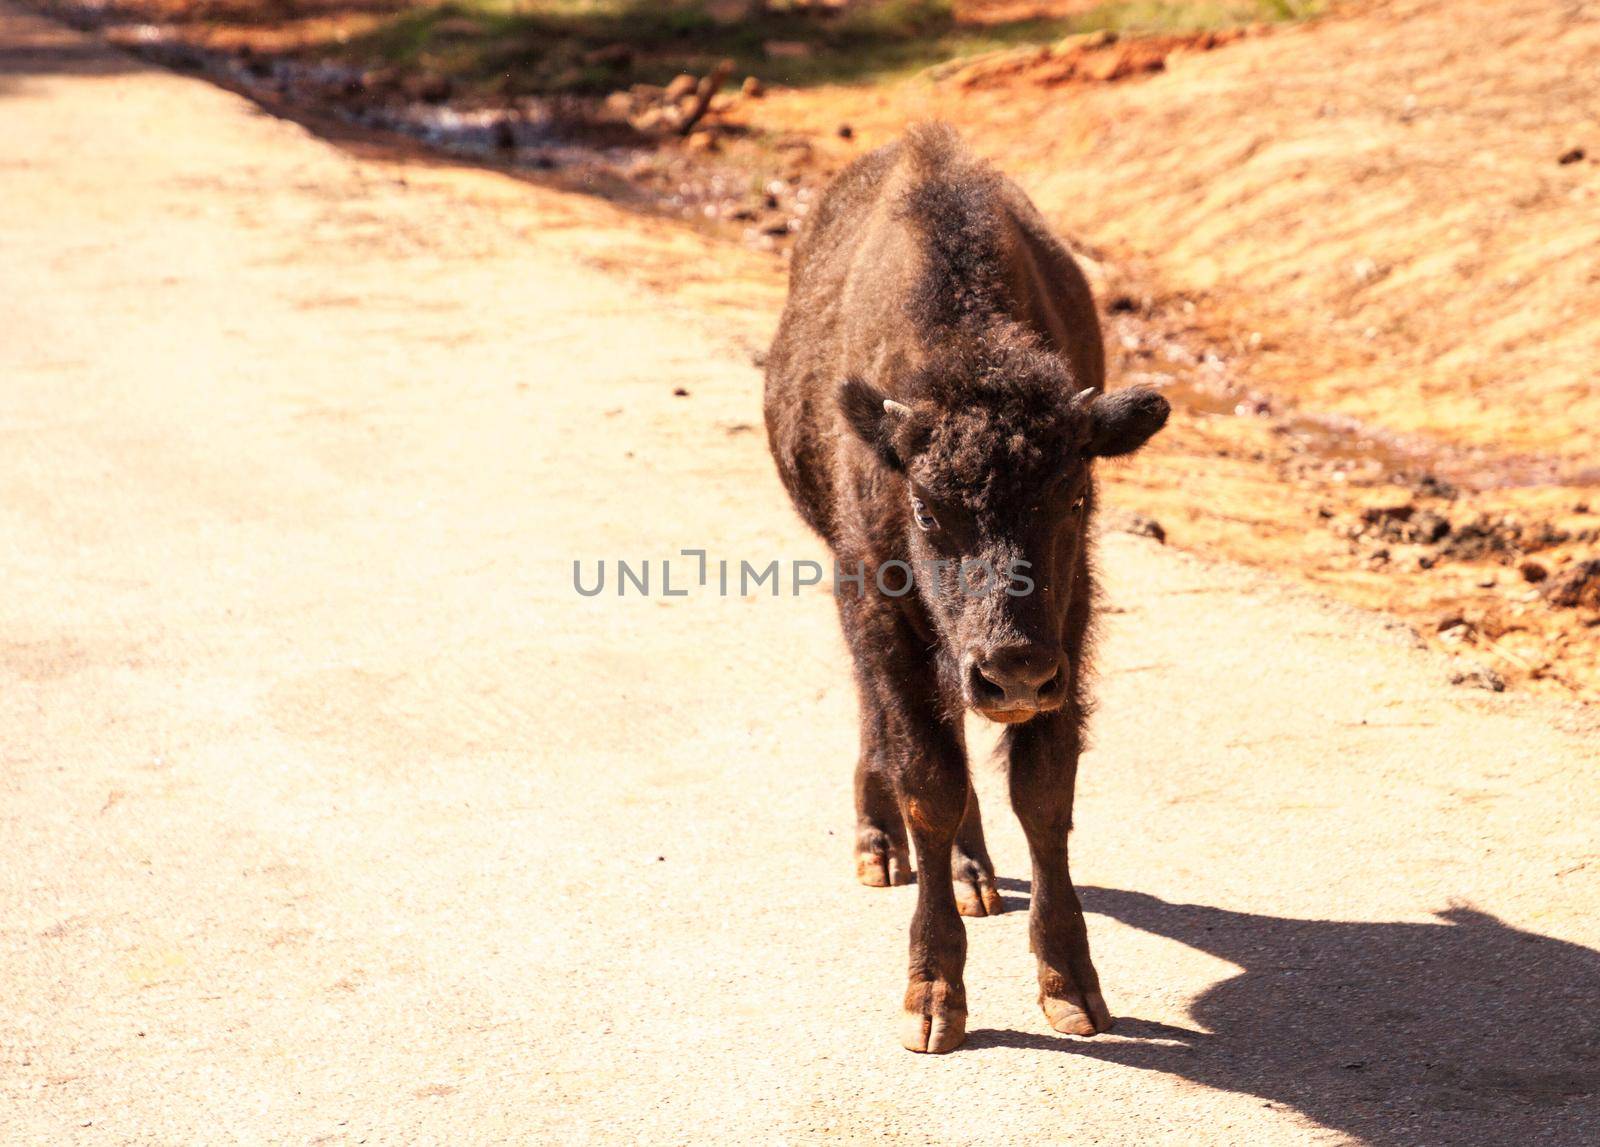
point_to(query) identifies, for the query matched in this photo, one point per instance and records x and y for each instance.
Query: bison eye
(925, 520)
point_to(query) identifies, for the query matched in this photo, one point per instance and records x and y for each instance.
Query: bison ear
(1125, 421)
(872, 415)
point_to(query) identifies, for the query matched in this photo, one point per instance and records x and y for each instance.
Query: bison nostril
(985, 689)
(1019, 677)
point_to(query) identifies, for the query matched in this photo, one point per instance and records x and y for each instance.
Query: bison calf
(934, 398)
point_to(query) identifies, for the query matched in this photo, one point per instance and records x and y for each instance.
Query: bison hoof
(935, 1018)
(976, 894)
(880, 863)
(1087, 1015)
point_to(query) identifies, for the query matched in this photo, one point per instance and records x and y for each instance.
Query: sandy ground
(332, 814)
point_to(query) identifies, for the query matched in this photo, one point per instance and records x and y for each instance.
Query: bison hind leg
(971, 868)
(882, 857)
(976, 894)
(882, 860)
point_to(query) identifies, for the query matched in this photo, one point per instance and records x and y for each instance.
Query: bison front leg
(1044, 766)
(933, 795)
(913, 757)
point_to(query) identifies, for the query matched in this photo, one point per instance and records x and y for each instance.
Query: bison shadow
(1393, 1033)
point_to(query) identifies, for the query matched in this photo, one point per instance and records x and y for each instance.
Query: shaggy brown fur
(934, 398)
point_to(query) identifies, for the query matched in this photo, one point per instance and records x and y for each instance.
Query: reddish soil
(1093, 58)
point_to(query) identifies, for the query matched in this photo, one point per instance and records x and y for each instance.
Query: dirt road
(329, 812)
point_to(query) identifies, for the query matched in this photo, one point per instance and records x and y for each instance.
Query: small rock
(752, 88)
(1542, 536)
(1476, 676)
(1086, 41)
(1375, 515)
(429, 88)
(1570, 156)
(1108, 66)
(845, 131)
(787, 49)
(680, 392)
(652, 119)
(1405, 523)
(1532, 572)
(680, 87)
(1577, 585)
(1139, 525)
(1481, 538)
(1406, 633)
(1429, 527)
(702, 142)
(1432, 486)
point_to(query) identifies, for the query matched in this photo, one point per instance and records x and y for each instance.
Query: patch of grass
(550, 46)
(1179, 16)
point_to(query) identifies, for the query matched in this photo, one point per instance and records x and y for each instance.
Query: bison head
(990, 457)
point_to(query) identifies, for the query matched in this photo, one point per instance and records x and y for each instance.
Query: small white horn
(1085, 392)
(890, 406)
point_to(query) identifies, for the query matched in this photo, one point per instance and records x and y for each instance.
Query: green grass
(1176, 16)
(546, 46)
